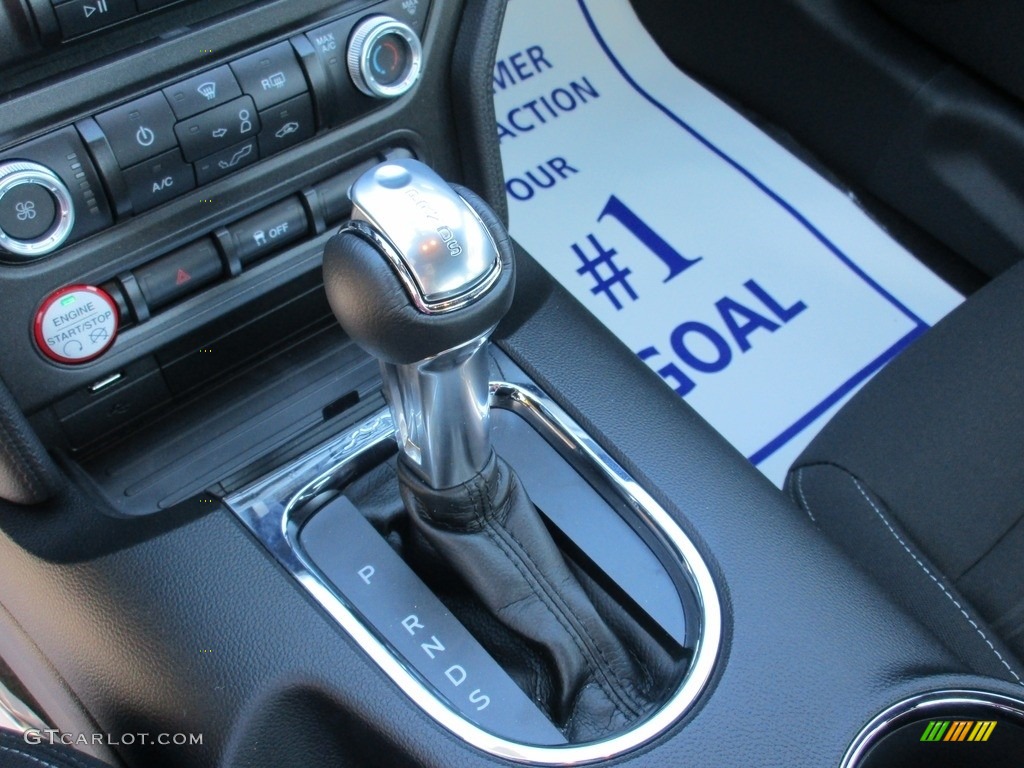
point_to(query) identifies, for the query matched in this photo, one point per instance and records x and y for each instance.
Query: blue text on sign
(692, 341)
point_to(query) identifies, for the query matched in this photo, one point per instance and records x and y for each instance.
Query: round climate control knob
(36, 211)
(384, 57)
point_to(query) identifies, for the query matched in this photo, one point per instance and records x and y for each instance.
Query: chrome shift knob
(439, 248)
(419, 278)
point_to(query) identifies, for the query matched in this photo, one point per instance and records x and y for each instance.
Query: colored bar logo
(958, 730)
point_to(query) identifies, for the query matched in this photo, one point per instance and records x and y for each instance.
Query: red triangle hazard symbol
(183, 277)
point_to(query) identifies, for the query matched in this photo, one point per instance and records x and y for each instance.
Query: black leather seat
(920, 477)
(18, 752)
(983, 35)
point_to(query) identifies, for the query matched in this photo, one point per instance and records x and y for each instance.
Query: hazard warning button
(180, 273)
(76, 324)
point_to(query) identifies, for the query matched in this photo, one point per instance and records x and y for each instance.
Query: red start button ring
(76, 324)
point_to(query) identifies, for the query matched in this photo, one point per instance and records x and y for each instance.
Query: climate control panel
(135, 156)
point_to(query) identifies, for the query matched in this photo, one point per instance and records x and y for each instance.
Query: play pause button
(80, 17)
(100, 7)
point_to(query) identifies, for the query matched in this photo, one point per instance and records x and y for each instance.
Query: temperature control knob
(384, 57)
(36, 211)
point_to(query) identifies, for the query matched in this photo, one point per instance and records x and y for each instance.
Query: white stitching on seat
(800, 492)
(33, 758)
(938, 583)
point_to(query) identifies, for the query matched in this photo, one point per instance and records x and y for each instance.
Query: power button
(140, 129)
(76, 324)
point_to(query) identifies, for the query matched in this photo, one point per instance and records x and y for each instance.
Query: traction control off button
(76, 324)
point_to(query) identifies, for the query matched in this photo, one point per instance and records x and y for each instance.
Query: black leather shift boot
(491, 535)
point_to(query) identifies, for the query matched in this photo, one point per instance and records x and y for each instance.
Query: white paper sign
(759, 291)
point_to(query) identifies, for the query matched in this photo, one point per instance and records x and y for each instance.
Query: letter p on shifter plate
(400, 608)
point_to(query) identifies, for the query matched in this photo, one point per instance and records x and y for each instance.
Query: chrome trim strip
(272, 509)
(15, 715)
(441, 408)
(920, 708)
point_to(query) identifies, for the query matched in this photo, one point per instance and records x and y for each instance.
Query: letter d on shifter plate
(388, 593)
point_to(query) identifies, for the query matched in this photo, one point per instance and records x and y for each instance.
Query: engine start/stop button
(76, 324)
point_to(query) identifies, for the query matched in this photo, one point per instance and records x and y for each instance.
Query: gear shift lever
(419, 279)
(425, 310)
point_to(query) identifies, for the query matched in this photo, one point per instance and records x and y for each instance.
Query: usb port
(106, 383)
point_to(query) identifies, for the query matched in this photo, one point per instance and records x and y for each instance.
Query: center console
(228, 543)
(155, 243)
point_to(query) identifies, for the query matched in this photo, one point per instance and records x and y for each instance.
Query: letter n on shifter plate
(391, 598)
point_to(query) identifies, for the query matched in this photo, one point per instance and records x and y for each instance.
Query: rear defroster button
(76, 324)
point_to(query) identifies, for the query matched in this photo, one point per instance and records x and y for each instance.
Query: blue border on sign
(864, 373)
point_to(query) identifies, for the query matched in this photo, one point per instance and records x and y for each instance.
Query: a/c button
(158, 180)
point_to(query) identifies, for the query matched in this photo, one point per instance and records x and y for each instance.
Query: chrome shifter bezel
(275, 508)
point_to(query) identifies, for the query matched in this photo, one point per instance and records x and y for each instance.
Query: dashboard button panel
(158, 146)
(235, 247)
